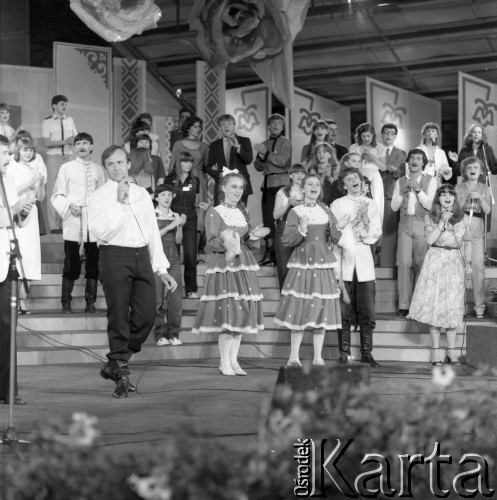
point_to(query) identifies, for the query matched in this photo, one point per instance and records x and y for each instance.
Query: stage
(184, 393)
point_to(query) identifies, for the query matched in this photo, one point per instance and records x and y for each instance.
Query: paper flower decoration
(258, 31)
(117, 20)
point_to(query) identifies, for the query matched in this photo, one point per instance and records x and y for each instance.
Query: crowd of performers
(327, 221)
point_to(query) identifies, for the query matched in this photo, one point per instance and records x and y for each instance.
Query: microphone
(447, 221)
(181, 97)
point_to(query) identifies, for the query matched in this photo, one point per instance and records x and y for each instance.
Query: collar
(57, 117)
(112, 184)
(83, 162)
(274, 137)
(354, 198)
(188, 178)
(158, 211)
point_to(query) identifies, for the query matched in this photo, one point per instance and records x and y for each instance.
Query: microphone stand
(489, 184)
(10, 435)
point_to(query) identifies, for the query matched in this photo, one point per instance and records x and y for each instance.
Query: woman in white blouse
(373, 157)
(438, 166)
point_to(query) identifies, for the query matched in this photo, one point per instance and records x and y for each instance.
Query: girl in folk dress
(29, 178)
(231, 303)
(310, 295)
(373, 156)
(286, 198)
(438, 298)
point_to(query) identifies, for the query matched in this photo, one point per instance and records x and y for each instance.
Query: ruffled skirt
(309, 299)
(231, 301)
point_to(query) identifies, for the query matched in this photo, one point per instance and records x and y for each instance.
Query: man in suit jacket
(231, 152)
(395, 160)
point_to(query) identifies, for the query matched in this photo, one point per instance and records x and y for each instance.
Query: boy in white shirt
(357, 265)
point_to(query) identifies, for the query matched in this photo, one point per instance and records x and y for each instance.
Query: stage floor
(192, 393)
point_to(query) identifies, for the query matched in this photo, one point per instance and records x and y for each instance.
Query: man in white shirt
(357, 266)
(121, 217)
(57, 131)
(75, 183)
(413, 196)
(20, 210)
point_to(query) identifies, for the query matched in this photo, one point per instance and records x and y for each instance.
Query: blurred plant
(71, 465)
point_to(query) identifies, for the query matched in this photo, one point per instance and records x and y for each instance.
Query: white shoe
(175, 341)
(238, 369)
(294, 363)
(318, 362)
(163, 341)
(226, 370)
(191, 295)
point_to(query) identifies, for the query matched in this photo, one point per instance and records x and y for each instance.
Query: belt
(475, 214)
(445, 247)
(115, 248)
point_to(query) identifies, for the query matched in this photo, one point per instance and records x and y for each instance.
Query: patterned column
(129, 95)
(211, 89)
(170, 124)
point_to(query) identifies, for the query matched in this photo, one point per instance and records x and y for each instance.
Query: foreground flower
(154, 487)
(258, 31)
(117, 20)
(443, 375)
(82, 431)
(230, 31)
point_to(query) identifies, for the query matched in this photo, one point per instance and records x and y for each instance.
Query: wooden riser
(151, 352)
(95, 322)
(84, 338)
(394, 338)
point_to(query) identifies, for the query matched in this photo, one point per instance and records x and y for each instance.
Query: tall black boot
(91, 295)
(344, 344)
(66, 296)
(367, 348)
(269, 258)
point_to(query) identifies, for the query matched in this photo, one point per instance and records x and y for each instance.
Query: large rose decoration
(258, 31)
(117, 20)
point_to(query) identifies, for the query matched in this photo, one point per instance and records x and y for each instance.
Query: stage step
(47, 336)
(56, 338)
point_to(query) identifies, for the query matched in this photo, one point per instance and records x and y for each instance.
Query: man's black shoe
(122, 387)
(403, 312)
(368, 359)
(108, 374)
(343, 359)
(17, 401)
